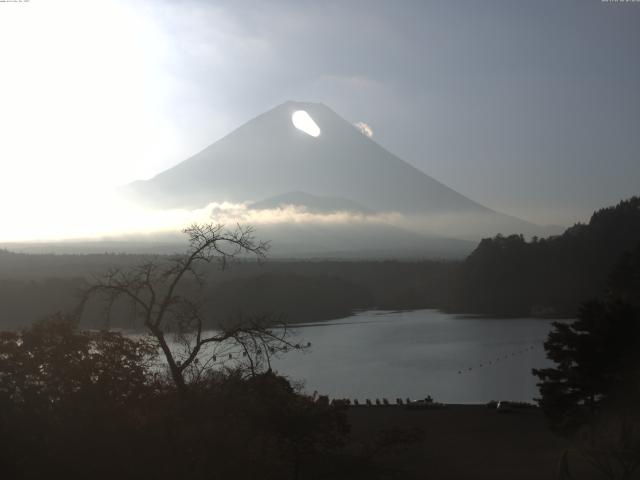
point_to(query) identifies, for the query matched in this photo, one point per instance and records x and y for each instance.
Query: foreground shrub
(78, 404)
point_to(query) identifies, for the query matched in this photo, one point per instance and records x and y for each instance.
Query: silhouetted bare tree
(153, 291)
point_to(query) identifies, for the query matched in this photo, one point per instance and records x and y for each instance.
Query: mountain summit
(269, 156)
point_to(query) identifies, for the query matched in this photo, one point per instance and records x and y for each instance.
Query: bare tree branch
(153, 289)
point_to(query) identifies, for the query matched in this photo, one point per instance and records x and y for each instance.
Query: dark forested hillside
(508, 275)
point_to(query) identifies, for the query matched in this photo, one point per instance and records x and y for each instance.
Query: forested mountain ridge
(507, 275)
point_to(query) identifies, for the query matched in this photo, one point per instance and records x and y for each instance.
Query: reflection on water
(418, 353)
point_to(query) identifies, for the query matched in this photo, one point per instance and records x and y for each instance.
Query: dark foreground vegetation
(78, 404)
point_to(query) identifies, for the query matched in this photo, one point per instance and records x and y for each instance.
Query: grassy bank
(468, 442)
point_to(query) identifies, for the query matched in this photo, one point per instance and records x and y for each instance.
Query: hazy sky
(531, 108)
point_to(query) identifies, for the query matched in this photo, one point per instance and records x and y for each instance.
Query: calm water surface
(418, 353)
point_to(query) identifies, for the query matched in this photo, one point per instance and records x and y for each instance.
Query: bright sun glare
(78, 103)
(303, 121)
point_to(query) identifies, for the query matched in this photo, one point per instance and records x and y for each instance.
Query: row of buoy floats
(500, 358)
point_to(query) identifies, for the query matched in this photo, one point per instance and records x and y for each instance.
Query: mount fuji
(270, 163)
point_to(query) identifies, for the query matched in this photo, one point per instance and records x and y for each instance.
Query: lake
(455, 359)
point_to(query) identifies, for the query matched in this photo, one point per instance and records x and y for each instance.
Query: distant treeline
(504, 276)
(297, 291)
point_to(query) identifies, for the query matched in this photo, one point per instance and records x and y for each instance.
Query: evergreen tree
(596, 356)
